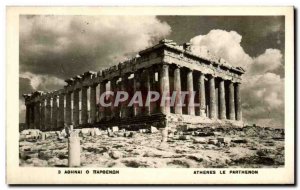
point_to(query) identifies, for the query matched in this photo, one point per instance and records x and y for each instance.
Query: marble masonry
(165, 68)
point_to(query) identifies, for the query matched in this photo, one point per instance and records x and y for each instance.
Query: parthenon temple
(165, 67)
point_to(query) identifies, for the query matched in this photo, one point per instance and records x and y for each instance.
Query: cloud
(40, 82)
(64, 46)
(262, 88)
(269, 61)
(223, 44)
(53, 48)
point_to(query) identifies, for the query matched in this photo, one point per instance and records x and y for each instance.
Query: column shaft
(177, 89)
(54, 113)
(27, 117)
(48, 114)
(136, 87)
(190, 88)
(222, 107)
(68, 108)
(37, 115)
(76, 108)
(147, 84)
(61, 118)
(212, 98)
(93, 103)
(113, 88)
(231, 101)
(84, 113)
(238, 108)
(123, 87)
(31, 119)
(102, 108)
(164, 89)
(202, 100)
(43, 114)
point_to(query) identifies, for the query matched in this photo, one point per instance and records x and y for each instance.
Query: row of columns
(42, 115)
(234, 99)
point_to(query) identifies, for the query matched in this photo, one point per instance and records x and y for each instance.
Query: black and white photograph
(102, 93)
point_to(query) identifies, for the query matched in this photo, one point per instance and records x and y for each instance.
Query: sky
(53, 48)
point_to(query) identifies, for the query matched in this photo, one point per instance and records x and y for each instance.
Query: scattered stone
(164, 133)
(131, 134)
(115, 129)
(204, 134)
(238, 141)
(110, 134)
(199, 140)
(153, 129)
(115, 154)
(221, 139)
(85, 131)
(213, 141)
(184, 137)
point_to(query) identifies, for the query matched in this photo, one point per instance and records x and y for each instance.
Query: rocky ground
(253, 147)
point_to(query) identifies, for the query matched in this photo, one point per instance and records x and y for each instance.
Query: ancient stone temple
(165, 68)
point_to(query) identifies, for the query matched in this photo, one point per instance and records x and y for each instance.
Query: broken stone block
(110, 134)
(92, 132)
(115, 129)
(164, 134)
(85, 131)
(221, 140)
(74, 150)
(42, 136)
(97, 131)
(238, 141)
(184, 137)
(115, 155)
(199, 140)
(213, 141)
(131, 134)
(153, 129)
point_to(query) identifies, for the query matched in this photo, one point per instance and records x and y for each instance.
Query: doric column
(164, 88)
(102, 108)
(48, 113)
(190, 89)
(84, 113)
(54, 112)
(42, 114)
(146, 90)
(212, 98)
(202, 100)
(61, 115)
(31, 119)
(237, 100)
(76, 108)
(113, 87)
(231, 101)
(37, 115)
(222, 107)
(68, 108)
(136, 87)
(177, 89)
(123, 87)
(93, 103)
(27, 117)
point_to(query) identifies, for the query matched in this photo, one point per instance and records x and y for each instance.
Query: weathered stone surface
(239, 140)
(115, 154)
(147, 150)
(213, 141)
(199, 140)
